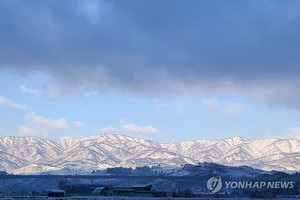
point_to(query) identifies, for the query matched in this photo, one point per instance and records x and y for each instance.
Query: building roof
(56, 191)
(142, 186)
(99, 189)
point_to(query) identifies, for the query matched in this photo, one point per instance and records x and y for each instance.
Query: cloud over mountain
(139, 129)
(39, 125)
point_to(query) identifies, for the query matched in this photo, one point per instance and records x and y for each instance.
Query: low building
(135, 190)
(103, 191)
(56, 193)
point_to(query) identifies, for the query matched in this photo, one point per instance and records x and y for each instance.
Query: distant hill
(186, 179)
(82, 155)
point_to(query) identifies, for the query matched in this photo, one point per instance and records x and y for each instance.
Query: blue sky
(163, 70)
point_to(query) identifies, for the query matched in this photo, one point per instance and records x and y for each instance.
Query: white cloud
(11, 104)
(139, 129)
(27, 90)
(50, 90)
(52, 123)
(79, 124)
(41, 126)
(227, 109)
(25, 130)
(294, 133)
(109, 129)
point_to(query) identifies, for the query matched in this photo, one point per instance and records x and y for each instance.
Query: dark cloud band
(146, 46)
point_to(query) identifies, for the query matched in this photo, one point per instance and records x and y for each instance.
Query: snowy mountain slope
(35, 155)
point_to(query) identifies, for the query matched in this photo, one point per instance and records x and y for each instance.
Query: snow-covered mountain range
(35, 155)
